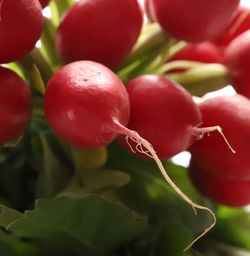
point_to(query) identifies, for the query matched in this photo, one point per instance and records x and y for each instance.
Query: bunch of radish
(116, 78)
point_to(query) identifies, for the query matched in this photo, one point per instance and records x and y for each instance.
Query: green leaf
(172, 239)
(233, 227)
(8, 215)
(91, 224)
(148, 192)
(54, 174)
(95, 181)
(11, 245)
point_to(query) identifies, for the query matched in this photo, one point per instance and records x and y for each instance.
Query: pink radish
(15, 105)
(194, 20)
(88, 106)
(232, 113)
(99, 30)
(219, 188)
(21, 25)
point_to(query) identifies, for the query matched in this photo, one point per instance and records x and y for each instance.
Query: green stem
(178, 64)
(37, 58)
(36, 80)
(63, 5)
(203, 78)
(153, 39)
(141, 66)
(175, 49)
(48, 43)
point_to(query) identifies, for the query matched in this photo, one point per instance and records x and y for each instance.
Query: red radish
(92, 107)
(239, 24)
(21, 25)
(241, 83)
(100, 30)
(237, 56)
(203, 52)
(91, 102)
(15, 105)
(163, 113)
(232, 113)
(194, 20)
(219, 188)
(44, 3)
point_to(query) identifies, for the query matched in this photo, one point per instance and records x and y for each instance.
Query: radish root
(134, 136)
(199, 133)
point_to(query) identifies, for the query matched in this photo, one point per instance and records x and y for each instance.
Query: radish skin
(219, 188)
(16, 17)
(194, 20)
(99, 30)
(15, 105)
(232, 113)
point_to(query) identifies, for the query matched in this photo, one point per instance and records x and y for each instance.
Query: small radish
(163, 113)
(88, 106)
(91, 104)
(203, 52)
(99, 30)
(15, 105)
(219, 188)
(44, 3)
(239, 24)
(232, 113)
(21, 25)
(237, 56)
(194, 20)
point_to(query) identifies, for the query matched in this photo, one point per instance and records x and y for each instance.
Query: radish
(194, 20)
(15, 105)
(91, 104)
(163, 113)
(88, 106)
(205, 52)
(239, 24)
(219, 188)
(21, 26)
(101, 30)
(237, 56)
(232, 113)
(241, 83)
(44, 3)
